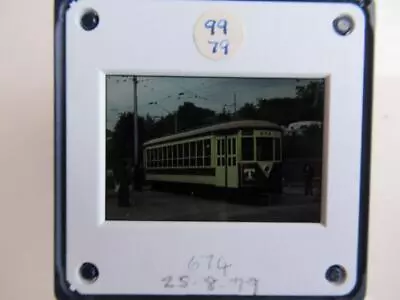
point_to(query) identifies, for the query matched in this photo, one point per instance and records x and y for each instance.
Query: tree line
(307, 105)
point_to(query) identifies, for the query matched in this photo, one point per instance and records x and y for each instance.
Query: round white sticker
(218, 35)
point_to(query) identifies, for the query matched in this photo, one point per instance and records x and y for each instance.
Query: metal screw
(89, 272)
(89, 20)
(336, 274)
(344, 25)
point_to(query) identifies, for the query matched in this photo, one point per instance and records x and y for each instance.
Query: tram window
(159, 156)
(277, 149)
(186, 149)
(207, 147)
(207, 154)
(229, 141)
(223, 147)
(149, 158)
(192, 149)
(234, 146)
(218, 147)
(164, 156)
(247, 148)
(265, 148)
(179, 155)
(200, 148)
(186, 154)
(174, 155)
(229, 161)
(168, 152)
(234, 161)
(169, 156)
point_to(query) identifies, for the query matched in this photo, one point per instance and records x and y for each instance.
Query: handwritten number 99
(212, 25)
(222, 45)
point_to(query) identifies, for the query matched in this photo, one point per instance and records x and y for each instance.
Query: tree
(282, 111)
(121, 144)
(191, 116)
(312, 98)
(248, 111)
(308, 144)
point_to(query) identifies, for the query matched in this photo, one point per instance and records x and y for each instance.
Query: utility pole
(135, 123)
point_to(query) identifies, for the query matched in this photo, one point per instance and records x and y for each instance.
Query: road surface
(291, 206)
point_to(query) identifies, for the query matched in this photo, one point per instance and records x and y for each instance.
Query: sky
(171, 92)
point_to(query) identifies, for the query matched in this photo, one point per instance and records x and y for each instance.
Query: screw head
(89, 20)
(336, 274)
(89, 272)
(344, 25)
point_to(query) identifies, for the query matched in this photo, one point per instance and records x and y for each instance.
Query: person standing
(308, 179)
(124, 181)
(138, 178)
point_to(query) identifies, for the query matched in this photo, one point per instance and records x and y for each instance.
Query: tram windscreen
(265, 149)
(247, 148)
(214, 149)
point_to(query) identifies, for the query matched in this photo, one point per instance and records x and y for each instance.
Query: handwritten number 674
(212, 25)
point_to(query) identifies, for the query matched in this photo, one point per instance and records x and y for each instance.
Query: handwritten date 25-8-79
(210, 283)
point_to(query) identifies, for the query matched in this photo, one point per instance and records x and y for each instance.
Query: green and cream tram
(245, 155)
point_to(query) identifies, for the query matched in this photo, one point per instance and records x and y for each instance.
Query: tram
(239, 155)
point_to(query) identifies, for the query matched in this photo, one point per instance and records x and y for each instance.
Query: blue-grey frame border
(61, 285)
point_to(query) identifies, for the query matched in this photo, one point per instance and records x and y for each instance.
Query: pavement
(148, 205)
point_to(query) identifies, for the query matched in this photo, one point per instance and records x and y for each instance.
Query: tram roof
(242, 124)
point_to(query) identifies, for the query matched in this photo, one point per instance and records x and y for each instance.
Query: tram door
(220, 172)
(226, 170)
(231, 162)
